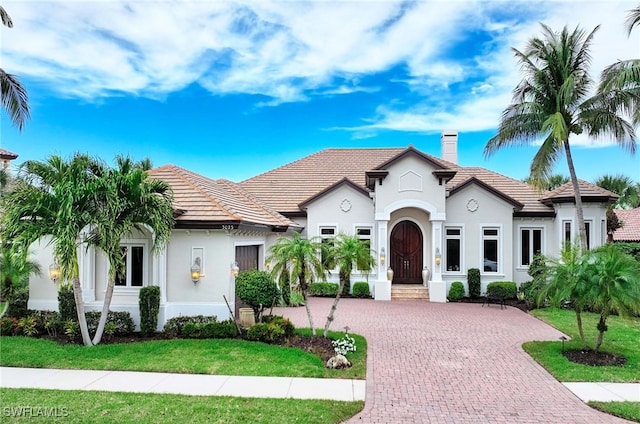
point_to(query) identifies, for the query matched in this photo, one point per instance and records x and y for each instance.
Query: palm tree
(565, 281)
(15, 268)
(347, 251)
(613, 285)
(299, 258)
(56, 199)
(554, 181)
(13, 95)
(622, 79)
(129, 201)
(624, 187)
(551, 104)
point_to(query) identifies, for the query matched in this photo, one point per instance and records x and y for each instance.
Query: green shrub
(67, 303)
(324, 289)
(174, 327)
(28, 326)
(258, 290)
(473, 280)
(210, 330)
(71, 328)
(18, 302)
(284, 323)
(8, 326)
(296, 298)
(149, 302)
(267, 333)
(123, 322)
(361, 289)
(456, 291)
(506, 289)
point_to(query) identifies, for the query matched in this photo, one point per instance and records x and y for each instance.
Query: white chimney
(449, 143)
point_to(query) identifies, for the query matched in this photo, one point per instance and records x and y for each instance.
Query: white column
(159, 273)
(382, 287)
(437, 287)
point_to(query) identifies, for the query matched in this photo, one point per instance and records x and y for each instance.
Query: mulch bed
(595, 359)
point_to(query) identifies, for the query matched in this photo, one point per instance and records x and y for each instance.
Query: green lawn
(209, 356)
(107, 407)
(627, 410)
(621, 339)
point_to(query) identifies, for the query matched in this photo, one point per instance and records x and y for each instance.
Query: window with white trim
(530, 244)
(453, 248)
(364, 234)
(327, 236)
(490, 248)
(134, 272)
(566, 231)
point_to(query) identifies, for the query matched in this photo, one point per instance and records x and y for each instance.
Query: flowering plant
(344, 345)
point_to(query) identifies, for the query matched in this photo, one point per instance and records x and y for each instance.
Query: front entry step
(409, 292)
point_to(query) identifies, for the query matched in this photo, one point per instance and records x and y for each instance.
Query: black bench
(495, 298)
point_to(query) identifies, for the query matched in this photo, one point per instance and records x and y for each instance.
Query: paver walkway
(452, 363)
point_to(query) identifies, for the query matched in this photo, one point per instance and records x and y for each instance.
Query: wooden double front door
(406, 253)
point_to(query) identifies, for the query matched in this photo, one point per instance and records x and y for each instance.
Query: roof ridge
(186, 178)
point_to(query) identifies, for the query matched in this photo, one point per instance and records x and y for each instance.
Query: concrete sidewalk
(186, 384)
(243, 386)
(605, 392)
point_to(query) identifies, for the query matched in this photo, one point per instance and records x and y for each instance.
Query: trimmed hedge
(361, 289)
(456, 291)
(258, 290)
(174, 326)
(324, 289)
(211, 330)
(507, 289)
(149, 302)
(473, 280)
(122, 323)
(67, 303)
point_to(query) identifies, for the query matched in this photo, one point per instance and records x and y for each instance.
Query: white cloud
(295, 51)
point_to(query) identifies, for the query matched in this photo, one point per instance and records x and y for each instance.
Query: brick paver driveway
(452, 363)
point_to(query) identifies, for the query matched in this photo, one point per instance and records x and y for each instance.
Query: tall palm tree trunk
(105, 312)
(82, 319)
(303, 289)
(334, 306)
(580, 329)
(582, 231)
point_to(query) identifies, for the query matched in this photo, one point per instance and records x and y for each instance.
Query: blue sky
(233, 89)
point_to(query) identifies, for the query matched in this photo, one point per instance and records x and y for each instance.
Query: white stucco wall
(491, 211)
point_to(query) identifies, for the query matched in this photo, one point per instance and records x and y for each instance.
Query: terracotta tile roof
(201, 199)
(5, 154)
(286, 187)
(630, 231)
(588, 191)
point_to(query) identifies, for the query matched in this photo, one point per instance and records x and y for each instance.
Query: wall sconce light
(383, 256)
(195, 271)
(438, 256)
(235, 269)
(267, 265)
(54, 272)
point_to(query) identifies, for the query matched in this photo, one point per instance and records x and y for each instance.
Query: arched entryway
(406, 253)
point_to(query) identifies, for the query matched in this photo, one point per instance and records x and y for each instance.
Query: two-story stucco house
(426, 218)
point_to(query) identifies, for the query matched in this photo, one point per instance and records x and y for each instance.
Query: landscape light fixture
(563, 339)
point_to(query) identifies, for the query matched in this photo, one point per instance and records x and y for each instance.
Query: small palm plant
(298, 257)
(348, 251)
